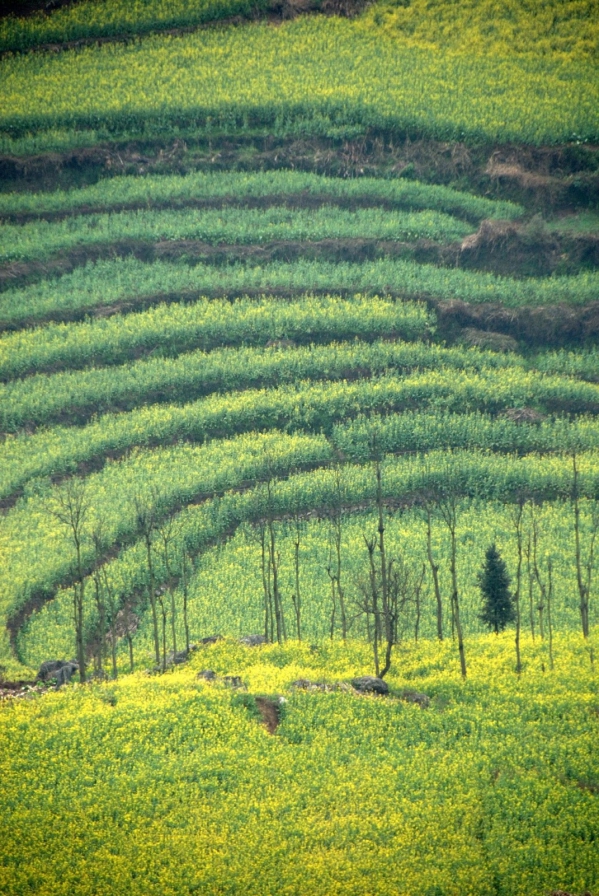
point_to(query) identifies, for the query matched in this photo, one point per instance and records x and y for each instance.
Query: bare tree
(434, 567)
(542, 584)
(168, 532)
(110, 601)
(160, 593)
(184, 588)
(146, 518)
(404, 586)
(266, 583)
(334, 567)
(274, 619)
(99, 597)
(298, 528)
(517, 515)
(70, 507)
(549, 605)
(125, 625)
(584, 565)
(389, 585)
(448, 508)
(274, 558)
(531, 583)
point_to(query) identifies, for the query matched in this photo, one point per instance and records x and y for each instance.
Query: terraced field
(175, 394)
(291, 310)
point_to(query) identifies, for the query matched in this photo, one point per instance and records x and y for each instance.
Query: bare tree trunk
(530, 574)
(382, 549)
(152, 595)
(518, 527)
(79, 600)
(70, 507)
(113, 640)
(584, 569)
(435, 574)
(297, 598)
(274, 571)
(173, 619)
(101, 608)
(185, 595)
(274, 558)
(549, 599)
(417, 601)
(268, 615)
(374, 591)
(334, 568)
(163, 614)
(540, 583)
(130, 641)
(448, 509)
(333, 606)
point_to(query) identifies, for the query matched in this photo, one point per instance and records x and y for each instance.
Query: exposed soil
(548, 325)
(302, 200)
(542, 178)
(270, 711)
(544, 325)
(508, 249)
(528, 250)
(19, 273)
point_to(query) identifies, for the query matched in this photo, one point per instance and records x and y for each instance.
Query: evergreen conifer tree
(494, 582)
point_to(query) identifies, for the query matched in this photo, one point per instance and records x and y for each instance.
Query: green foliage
(286, 81)
(105, 18)
(498, 609)
(38, 560)
(77, 396)
(235, 186)
(130, 282)
(225, 226)
(176, 328)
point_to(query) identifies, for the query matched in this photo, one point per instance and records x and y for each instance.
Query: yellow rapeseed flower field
(172, 785)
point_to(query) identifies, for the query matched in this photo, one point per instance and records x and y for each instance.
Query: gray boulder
(233, 681)
(370, 684)
(177, 659)
(64, 675)
(211, 639)
(304, 684)
(60, 670)
(207, 675)
(253, 640)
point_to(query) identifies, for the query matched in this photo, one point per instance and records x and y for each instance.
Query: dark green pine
(494, 582)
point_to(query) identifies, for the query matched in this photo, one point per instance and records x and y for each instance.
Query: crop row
(36, 557)
(115, 17)
(229, 225)
(316, 76)
(75, 396)
(156, 190)
(548, 29)
(304, 406)
(34, 552)
(225, 589)
(171, 329)
(127, 281)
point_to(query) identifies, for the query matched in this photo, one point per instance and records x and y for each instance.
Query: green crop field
(299, 383)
